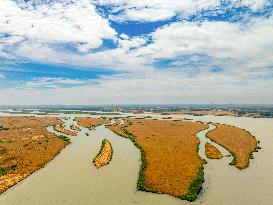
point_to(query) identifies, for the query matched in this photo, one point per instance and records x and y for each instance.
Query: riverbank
(26, 147)
(71, 168)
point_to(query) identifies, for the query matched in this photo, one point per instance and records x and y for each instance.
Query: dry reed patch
(105, 154)
(89, 122)
(119, 129)
(171, 153)
(74, 127)
(28, 147)
(212, 152)
(117, 122)
(60, 128)
(238, 142)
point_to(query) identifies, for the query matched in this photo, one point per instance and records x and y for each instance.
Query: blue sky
(117, 51)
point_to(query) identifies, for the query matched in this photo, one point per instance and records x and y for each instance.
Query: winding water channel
(71, 177)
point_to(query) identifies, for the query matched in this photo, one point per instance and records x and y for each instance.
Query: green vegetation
(233, 162)
(196, 186)
(101, 148)
(8, 140)
(3, 128)
(141, 178)
(193, 190)
(5, 170)
(64, 138)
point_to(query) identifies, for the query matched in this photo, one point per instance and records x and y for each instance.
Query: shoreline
(233, 162)
(253, 167)
(29, 149)
(105, 154)
(196, 184)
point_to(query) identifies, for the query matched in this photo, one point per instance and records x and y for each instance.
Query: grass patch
(141, 177)
(196, 186)
(64, 138)
(3, 128)
(5, 170)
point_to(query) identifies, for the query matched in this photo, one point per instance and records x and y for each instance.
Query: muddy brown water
(71, 177)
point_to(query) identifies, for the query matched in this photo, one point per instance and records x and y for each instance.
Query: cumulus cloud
(196, 57)
(155, 10)
(49, 32)
(55, 23)
(253, 4)
(2, 76)
(245, 45)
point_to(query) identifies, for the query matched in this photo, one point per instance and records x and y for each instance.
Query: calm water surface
(71, 177)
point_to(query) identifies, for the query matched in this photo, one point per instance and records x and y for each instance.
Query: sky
(86, 52)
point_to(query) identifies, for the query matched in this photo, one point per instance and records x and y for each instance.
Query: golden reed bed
(170, 151)
(75, 128)
(60, 128)
(26, 147)
(212, 152)
(89, 122)
(105, 154)
(240, 143)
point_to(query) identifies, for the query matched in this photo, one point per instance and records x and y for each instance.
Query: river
(71, 178)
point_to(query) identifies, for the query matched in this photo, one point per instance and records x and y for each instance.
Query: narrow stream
(203, 140)
(72, 179)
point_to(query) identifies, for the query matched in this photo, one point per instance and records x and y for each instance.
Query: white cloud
(155, 10)
(231, 45)
(41, 34)
(47, 82)
(249, 45)
(54, 23)
(58, 23)
(253, 4)
(150, 87)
